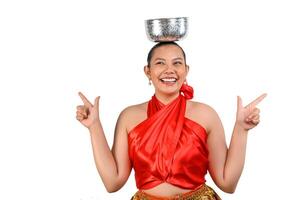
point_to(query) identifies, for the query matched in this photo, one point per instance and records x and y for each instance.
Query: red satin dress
(168, 147)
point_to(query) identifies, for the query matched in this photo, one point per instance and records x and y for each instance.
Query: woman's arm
(113, 166)
(226, 165)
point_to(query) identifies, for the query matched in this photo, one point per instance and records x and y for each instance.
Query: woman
(169, 141)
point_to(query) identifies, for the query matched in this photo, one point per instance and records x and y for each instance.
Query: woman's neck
(166, 98)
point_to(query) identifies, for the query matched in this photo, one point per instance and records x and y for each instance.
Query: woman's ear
(147, 71)
(187, 69)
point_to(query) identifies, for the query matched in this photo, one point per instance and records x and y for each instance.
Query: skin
(167, 61)
(226, 164)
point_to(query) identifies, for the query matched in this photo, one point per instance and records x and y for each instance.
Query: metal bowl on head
(166, 29)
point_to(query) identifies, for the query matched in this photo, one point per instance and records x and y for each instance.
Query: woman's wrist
(95, 127)
(239, 128)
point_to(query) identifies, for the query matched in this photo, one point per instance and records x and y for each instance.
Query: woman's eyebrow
(179, 58)
(159, 59)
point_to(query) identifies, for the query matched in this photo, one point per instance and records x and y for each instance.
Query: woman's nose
(169, 70)
(169, 67)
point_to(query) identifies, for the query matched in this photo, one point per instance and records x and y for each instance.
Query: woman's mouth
(168, 81)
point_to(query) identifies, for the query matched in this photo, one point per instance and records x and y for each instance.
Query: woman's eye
(159, 63)
(178, 63)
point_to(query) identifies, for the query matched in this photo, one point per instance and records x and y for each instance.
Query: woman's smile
(168, 81)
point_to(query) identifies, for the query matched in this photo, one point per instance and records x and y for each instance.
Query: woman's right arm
(113, 165)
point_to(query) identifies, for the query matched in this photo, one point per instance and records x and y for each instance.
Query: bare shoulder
(201, 113)
(134, 114)
(134, 110)
(200, 107)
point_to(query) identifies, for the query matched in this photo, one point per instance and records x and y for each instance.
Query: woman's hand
(88, 114)
(248, 117)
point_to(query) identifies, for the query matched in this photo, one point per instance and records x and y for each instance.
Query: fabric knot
(187, 90)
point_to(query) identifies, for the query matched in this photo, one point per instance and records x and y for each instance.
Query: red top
(167, 147)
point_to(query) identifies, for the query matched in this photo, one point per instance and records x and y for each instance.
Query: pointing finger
(96, 102)
(256, 101)
(239, 102)
(85, 100)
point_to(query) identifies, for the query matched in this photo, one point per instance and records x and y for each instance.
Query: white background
(50, 50)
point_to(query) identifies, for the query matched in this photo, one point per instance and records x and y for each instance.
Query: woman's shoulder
(135, 109)
(134, 114)
(201, 113)
(200, 107)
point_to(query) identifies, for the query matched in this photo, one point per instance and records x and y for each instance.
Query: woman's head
(151, 52)
(166, 67)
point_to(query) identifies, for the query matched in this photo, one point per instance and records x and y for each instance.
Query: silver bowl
(166, 29)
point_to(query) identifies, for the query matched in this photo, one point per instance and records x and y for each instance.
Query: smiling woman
(167, 69)
(170, 141)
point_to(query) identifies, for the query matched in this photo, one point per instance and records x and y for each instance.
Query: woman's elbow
(228, 188)
(115, 186)
(111, 189)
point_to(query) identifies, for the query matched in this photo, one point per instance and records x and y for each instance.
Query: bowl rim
(172, 18)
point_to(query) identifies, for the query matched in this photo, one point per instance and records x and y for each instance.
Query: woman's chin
(169, 91)
(168, 88)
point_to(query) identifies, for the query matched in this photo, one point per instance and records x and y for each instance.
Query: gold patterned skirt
(203, 192)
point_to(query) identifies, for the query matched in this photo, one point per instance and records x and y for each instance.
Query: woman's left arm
(226, 165)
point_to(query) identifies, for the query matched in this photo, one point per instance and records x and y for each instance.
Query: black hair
(151, 52)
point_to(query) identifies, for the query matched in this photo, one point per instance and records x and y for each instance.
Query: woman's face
(167, 69)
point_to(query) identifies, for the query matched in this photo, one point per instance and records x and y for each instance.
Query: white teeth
(169, 79)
